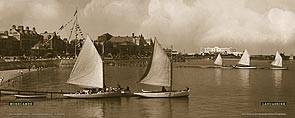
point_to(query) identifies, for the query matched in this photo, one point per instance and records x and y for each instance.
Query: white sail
(218, 60)
(159, 72)
(88, 69)
(245, 60)
(278, 60)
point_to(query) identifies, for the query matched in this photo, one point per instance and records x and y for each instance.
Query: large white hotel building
(224, 51)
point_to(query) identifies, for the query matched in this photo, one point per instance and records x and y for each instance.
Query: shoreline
(7, 75)
(13, 65)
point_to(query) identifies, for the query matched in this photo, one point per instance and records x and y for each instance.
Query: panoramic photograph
(147, 59)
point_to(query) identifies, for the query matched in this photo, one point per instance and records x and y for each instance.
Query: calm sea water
(215, 93)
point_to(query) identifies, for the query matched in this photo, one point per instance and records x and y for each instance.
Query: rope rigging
(74, 29)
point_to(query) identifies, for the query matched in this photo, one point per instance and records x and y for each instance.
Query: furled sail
(88, 69)
(245, 60)
(218, 60)
(278, 60)
(158, 72)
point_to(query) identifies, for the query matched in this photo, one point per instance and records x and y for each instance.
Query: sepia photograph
(147, 59)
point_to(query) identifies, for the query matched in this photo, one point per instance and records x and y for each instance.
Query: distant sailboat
(159, 73)
(88, 73)
(218, 61)
(244, 62)
(291, 57)
(277, 64)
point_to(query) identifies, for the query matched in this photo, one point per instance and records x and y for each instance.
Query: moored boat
(291, 57)
(161, 94)
(218, 61)
(99, 94)
(88, 74)
(277, 64)
(30, 95)
(244, 62)
(88, 71)
(159, 73)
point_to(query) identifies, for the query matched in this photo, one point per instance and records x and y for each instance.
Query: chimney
(133, 35)
(20, 28)
(13, 27)
(34, 30)
(6, 33)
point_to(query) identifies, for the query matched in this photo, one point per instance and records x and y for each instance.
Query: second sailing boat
(159, 73)
(244, 62)
(277, 64)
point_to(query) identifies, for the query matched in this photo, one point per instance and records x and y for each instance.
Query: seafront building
(19, 41)
(123, 46)
(224, 51)
(51, 45)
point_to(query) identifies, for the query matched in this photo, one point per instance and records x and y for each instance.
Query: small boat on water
(8, 92)
(277, 64)
(291, 57)
(218, 61)
(88, 74)
(244, 62)
(30, 95)
(159, 73)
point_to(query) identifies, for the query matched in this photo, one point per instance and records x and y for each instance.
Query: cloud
(37, 13)
(115, 16)
(266, 25)
(219, 23)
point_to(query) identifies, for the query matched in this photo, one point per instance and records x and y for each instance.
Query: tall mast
(171, 69)
(102, 57)
(76, 34)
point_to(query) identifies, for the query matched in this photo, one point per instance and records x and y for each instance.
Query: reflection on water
(244, 76)
(87, 108)
(277, 76)
(218, 75)
(164, 108)
(215, 93)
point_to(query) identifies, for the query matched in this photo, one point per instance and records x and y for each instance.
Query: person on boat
(119, 87)
(90, 91)
(100, 89)
(187, 89)
(127, 88)
(163, 89)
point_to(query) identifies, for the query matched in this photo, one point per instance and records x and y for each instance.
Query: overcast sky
(261, 26)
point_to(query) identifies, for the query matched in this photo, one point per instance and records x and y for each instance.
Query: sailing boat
(244, 62)
(277, 64)
(88, 73)
(291, 57)
(159, 73)
(218, 60)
